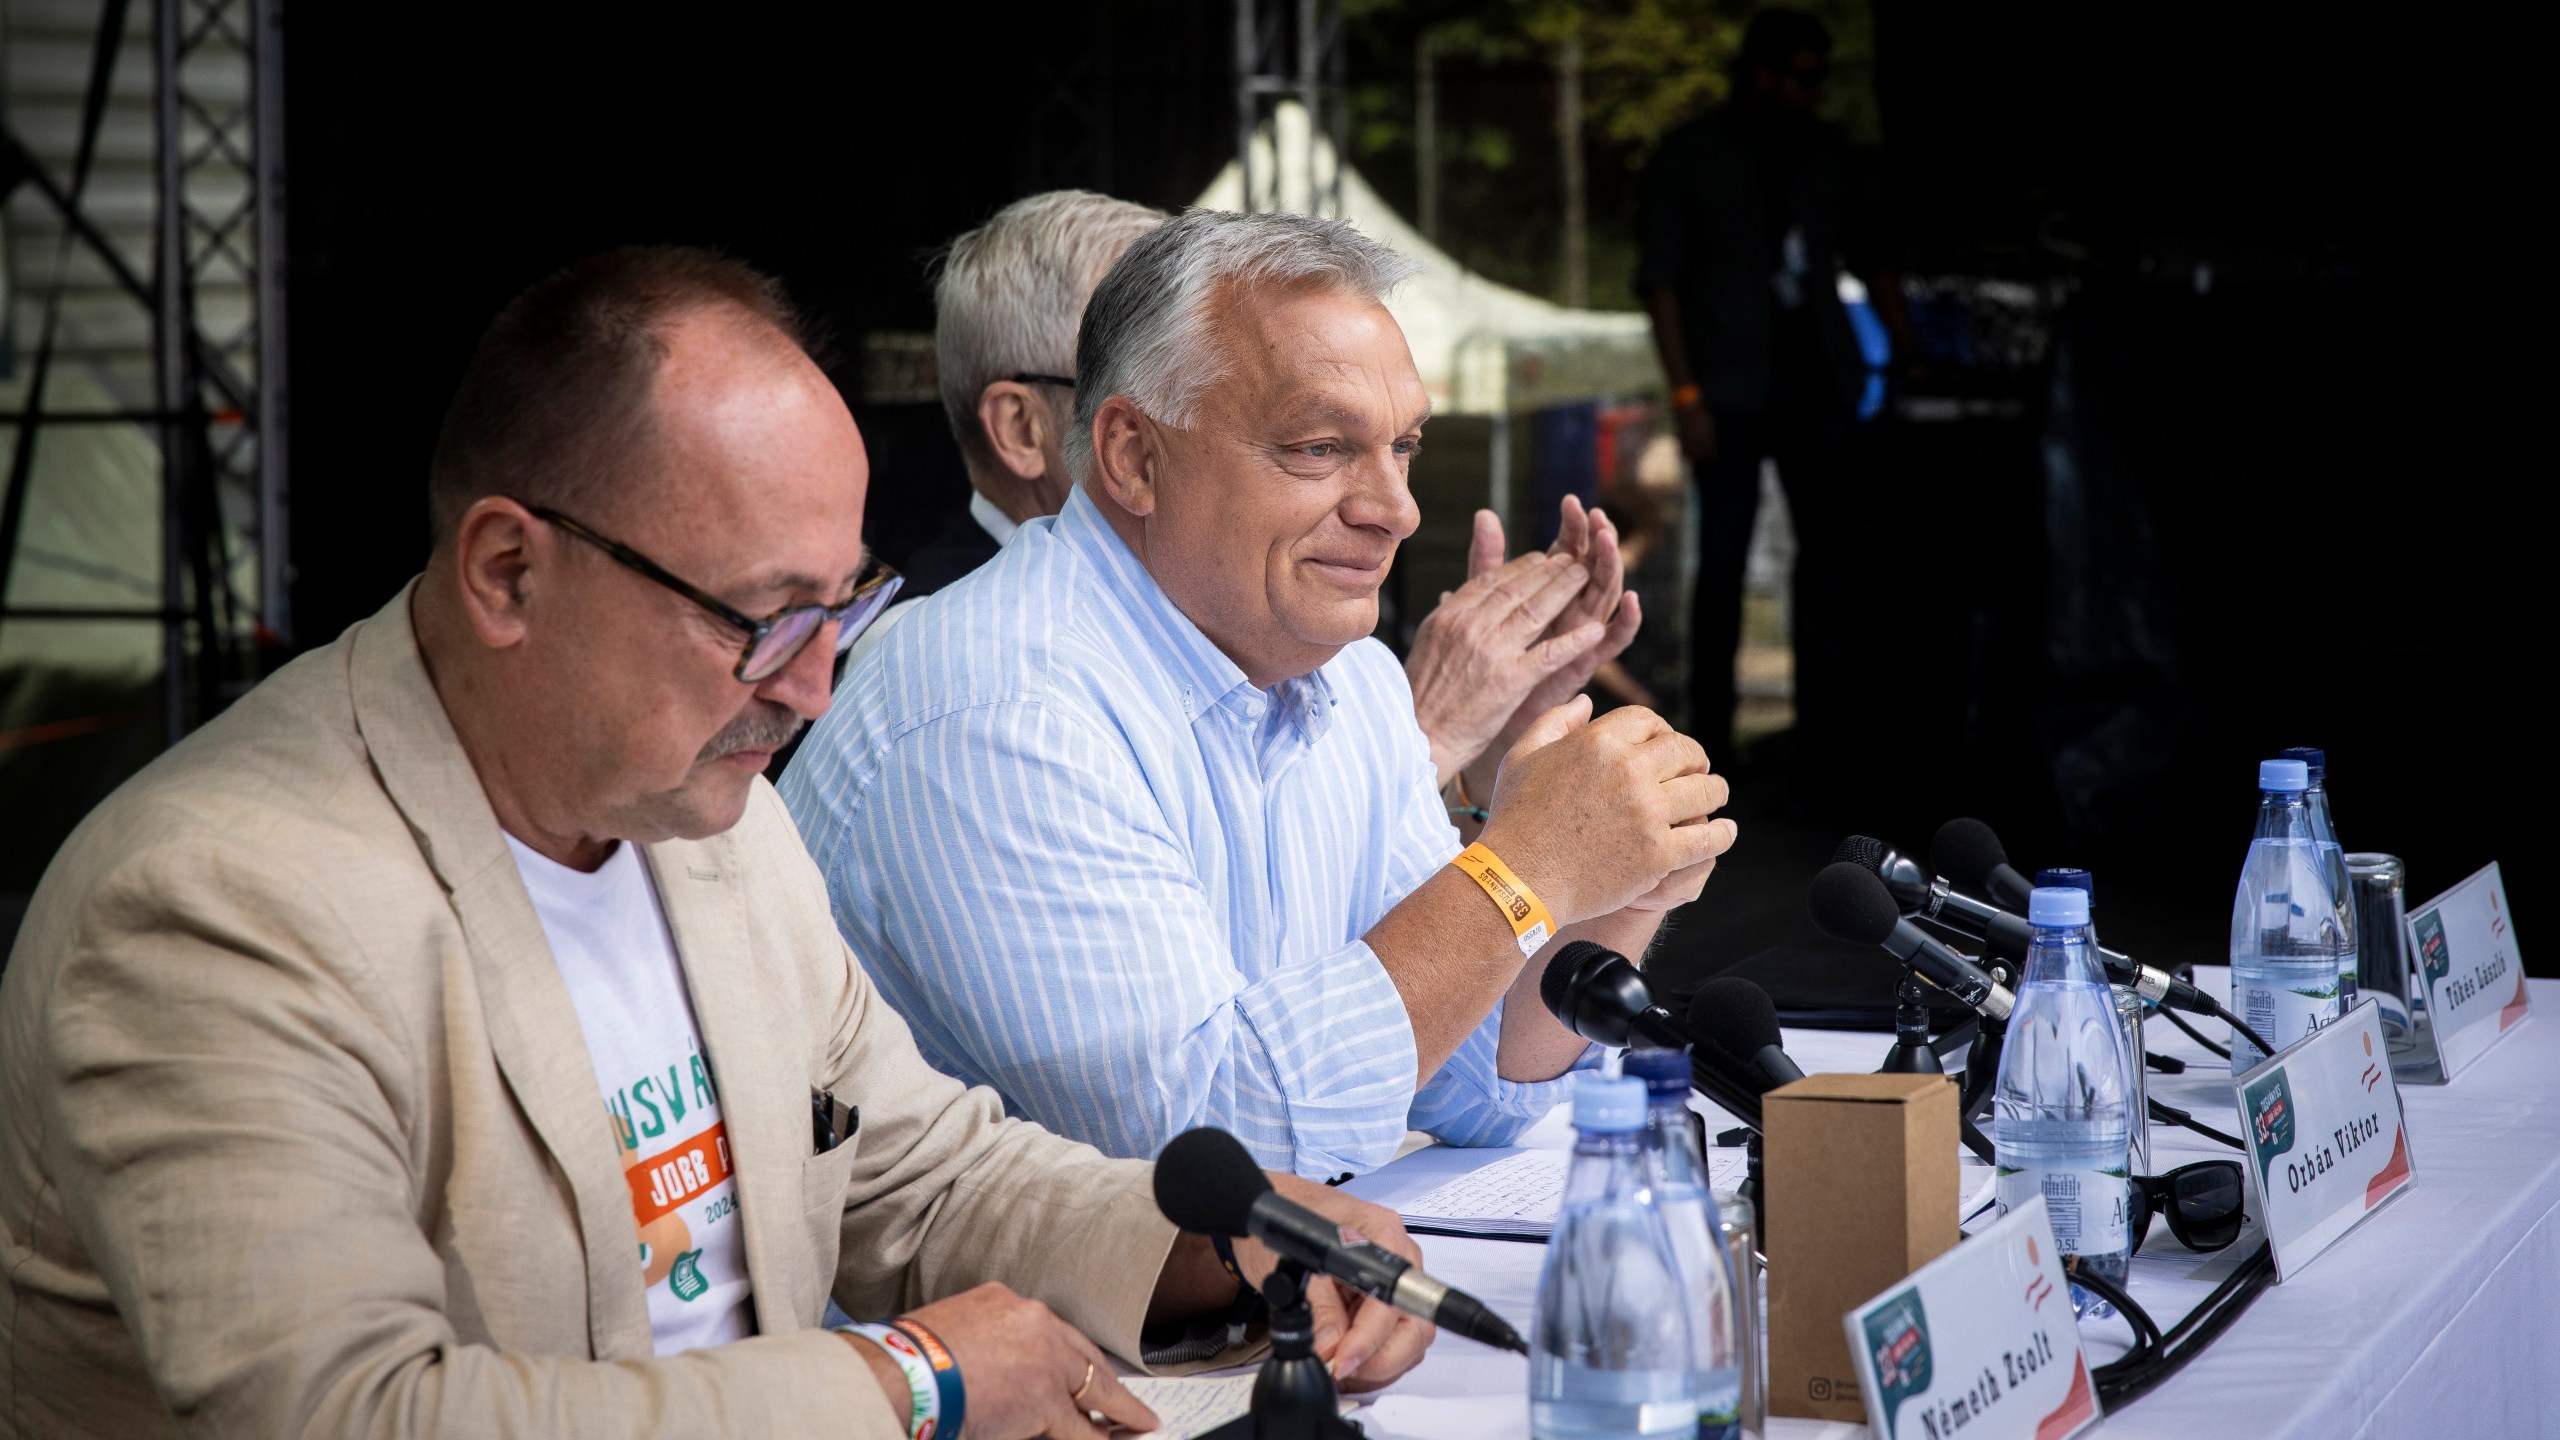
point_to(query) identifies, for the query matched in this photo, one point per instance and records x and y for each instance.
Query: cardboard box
(1860, 1184)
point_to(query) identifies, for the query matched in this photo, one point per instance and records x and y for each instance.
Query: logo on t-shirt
(686, 1279)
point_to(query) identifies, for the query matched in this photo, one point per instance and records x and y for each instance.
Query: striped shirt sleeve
(1020, 874)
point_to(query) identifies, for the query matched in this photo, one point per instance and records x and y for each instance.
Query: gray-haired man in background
(1516, 640)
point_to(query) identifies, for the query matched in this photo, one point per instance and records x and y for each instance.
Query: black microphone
(1965, 851)
(1207, 1184)
(1924, 896)
(2001, 933)
(1594, 992)
(1849, 903)
(1738, 1019)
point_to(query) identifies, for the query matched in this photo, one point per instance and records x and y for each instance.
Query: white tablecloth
(2438, 1318)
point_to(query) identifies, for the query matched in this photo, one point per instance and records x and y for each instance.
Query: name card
(1979, 1342)
(2326, 1143)
(2465, 945)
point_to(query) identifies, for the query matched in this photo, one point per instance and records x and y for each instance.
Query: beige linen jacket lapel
(531, 1024)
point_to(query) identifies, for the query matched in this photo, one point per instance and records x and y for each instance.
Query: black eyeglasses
(775, 640)
(2203, 1203)
(1027, 378)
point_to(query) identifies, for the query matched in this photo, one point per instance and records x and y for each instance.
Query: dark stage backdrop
(440, 163)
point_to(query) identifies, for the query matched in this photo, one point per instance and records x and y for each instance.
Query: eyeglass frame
(2158, 1193)
(1027, 378)
(878, 584)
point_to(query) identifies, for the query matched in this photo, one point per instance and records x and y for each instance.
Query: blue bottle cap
(2072, 879)
(2313, 758)
(1608, 1103)
(1665, 1073)
(2054, 906)
(2285, 777)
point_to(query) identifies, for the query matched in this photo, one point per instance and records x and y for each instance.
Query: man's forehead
(1321, 351)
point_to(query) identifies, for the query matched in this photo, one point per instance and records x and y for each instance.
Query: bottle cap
(2284, 777)
(2071, 879)
(1665, 1073)
(2313, 758)
(2052, 906)
(1608, 1103)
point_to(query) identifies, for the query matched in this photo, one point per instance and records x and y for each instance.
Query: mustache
(764, 726)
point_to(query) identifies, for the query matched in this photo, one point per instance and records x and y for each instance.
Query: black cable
(2120, 1384)
(2146, 1332)
(2174, 1018)
(2239, 1026)
(2172, 1115)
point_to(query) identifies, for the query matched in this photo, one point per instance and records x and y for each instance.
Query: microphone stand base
(1293, 1395)
(1911, 1053)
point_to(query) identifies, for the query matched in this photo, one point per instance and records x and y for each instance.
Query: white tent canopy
(1482, 348)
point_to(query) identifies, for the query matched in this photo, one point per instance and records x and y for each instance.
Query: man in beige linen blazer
(298, 1132)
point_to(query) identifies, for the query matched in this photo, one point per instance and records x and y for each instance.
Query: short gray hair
(1149, 331)
(1007, 296)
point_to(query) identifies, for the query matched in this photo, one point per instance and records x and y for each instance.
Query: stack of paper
(1517, 1196)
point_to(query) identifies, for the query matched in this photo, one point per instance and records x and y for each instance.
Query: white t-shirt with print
(610, 939)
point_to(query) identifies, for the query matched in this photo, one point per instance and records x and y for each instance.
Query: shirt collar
(998, 525)
(1207, 676)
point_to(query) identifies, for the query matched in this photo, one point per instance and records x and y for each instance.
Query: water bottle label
(2282, 1013)
(2089, 1208)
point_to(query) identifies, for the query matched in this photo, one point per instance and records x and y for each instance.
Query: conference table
(2439, 1316)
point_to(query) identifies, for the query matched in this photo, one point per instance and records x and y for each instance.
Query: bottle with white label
(2061, 1123)
(1610, 1351)
(2333, 861)
(2286, 937)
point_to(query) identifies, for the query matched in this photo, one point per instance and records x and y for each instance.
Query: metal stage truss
(212, 290)
(1290, 50)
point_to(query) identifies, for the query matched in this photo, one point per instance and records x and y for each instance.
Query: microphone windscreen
(1206, 1183)
(1735, 1016)
(1555, 986)
(1965, 851)
(1862, 851)
(1849, 903)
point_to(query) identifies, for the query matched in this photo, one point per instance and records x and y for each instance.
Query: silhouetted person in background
(1750, 212)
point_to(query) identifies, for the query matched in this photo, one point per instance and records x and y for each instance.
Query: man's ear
(494, 556)
(1016, 423)
(1128, 453)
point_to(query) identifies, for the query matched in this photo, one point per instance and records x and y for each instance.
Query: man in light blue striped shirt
(1136, 825)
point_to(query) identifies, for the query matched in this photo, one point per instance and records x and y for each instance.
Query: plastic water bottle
(2060, 1119)
(1611, 1353)
(2333, 861)
(2285, 935)
(2131, 1011)
(1678, 1173)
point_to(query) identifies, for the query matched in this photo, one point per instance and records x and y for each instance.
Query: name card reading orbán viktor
(1979, 1342)
(2326, 1141)
(2464, 942)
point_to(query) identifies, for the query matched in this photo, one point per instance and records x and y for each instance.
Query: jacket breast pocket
(824, 1179)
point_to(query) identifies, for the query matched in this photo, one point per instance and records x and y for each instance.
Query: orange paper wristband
(1531, 925)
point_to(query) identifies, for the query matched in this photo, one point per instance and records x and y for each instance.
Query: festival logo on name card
(2325, 1128)
(2002, 1357)
(2474, 977)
